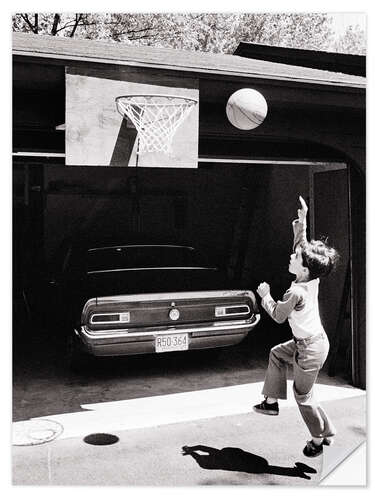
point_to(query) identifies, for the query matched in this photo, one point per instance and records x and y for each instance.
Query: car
(137, 297)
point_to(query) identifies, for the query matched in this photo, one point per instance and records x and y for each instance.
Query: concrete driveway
(154, 405)
(231, 444)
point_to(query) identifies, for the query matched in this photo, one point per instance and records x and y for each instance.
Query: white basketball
(246, 109)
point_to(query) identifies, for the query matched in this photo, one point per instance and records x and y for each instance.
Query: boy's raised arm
(299, 225)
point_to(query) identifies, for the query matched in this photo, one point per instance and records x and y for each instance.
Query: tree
(353, 41)
(206, 32)
(49, 24)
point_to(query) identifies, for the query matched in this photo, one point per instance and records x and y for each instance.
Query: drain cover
(36, 431)
(101, 439)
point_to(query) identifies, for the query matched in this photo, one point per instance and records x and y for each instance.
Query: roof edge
(60, 52)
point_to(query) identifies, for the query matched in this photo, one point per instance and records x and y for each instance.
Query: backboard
(97, 134)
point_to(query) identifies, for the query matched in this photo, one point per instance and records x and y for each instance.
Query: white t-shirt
(300, 306)
(300, 302)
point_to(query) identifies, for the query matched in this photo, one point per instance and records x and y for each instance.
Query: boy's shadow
(235, 459)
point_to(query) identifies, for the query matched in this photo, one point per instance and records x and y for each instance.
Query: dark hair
(319, 258)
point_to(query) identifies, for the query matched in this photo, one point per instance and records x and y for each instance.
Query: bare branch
(132, 34)
(152, 35)
(56, 20)
(70, 24)
(78, 18)
(25, 17)
(143, 29)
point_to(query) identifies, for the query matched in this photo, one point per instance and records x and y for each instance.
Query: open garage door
(330, 218)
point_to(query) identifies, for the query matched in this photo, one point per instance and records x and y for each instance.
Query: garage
(229, 192)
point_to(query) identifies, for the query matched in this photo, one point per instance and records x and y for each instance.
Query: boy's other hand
(263, 289)
(302, 212)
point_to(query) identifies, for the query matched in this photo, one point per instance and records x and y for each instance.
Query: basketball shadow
(235, 459)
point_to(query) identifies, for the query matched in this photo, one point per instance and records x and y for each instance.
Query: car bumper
(142, 341)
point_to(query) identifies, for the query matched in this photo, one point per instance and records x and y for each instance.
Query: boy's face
(296, 264)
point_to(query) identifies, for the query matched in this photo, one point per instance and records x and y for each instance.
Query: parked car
(139, 297)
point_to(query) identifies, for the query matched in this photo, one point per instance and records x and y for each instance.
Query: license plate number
(174, 342)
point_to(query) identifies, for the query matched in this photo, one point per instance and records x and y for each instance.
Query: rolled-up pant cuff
(274, 394)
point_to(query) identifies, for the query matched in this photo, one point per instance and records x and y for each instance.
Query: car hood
(152, 281)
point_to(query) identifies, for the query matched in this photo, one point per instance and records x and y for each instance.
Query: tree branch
(152, 35)
(25, 17)
(78, 18)
(69, 24)
(142, 29)
(56, 20)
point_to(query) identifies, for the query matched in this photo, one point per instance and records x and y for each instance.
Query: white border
(162, 6)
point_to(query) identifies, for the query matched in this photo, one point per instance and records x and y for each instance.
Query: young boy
(309, 348)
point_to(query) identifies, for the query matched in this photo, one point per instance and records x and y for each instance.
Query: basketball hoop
(156, 118)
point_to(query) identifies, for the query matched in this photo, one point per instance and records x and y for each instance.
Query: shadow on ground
(236, 459)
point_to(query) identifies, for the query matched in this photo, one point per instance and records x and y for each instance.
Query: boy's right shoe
(312, 450)
(267, 408)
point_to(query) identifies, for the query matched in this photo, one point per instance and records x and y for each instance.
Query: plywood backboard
(96, 133)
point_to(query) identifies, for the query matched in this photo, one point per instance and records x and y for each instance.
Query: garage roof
(351, 64)
(76, 49)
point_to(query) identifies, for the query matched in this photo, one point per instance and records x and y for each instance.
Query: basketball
(246, 109)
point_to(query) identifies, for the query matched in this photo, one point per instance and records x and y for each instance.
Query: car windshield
(135, 257)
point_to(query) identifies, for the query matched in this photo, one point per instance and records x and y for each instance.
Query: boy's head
(312, 260)
(319, 258)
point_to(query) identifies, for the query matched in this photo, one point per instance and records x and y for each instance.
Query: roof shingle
(178, 60)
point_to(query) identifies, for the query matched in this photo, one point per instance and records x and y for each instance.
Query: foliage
(353, 41)
(207, 32)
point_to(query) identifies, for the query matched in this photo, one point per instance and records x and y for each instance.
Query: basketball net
(156, 118)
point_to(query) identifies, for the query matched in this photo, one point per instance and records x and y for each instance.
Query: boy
(309, 348)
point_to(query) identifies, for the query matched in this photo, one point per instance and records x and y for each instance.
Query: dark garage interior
(238, 216)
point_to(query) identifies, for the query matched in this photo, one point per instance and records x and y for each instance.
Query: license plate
(174, 342)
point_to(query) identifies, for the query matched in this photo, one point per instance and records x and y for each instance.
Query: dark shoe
(313, 450)
(267, 408)
(327, 441)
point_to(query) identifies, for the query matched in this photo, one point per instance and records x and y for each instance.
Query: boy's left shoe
(267, 408)
(312, 450)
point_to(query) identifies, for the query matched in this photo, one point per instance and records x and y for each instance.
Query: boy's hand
(263, 289)
(302, 212)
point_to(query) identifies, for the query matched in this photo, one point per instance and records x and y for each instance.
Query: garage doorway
(263, 235)
(330, 217)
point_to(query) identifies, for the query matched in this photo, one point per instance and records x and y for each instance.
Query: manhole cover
(101, 439)
(35, 432)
